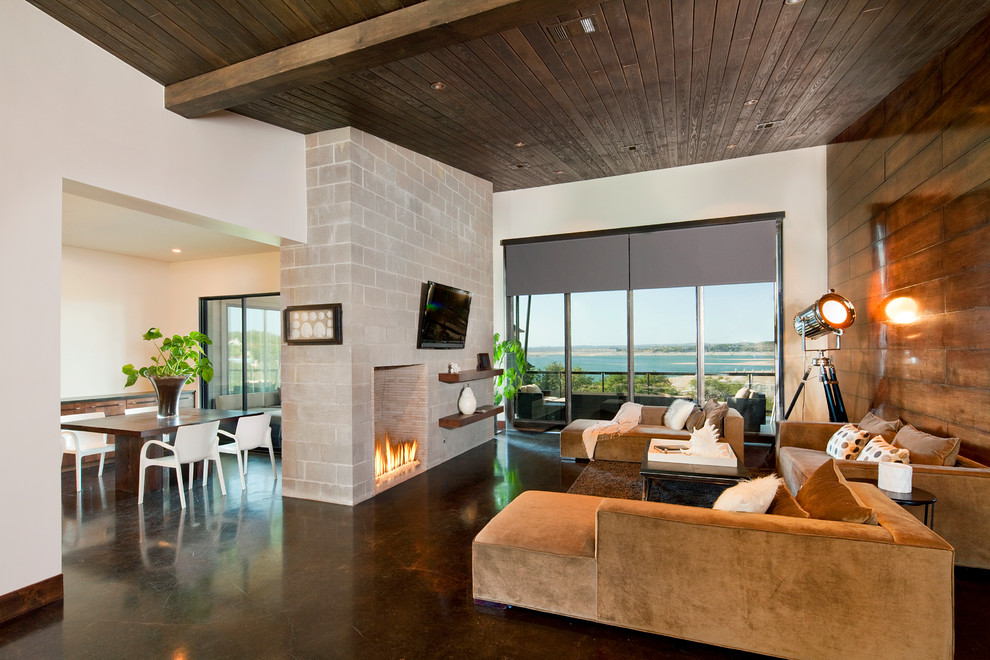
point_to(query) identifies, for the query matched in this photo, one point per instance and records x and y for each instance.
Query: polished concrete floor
(253, 575)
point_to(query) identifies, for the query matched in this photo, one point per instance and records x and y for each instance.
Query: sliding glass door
(247, 336)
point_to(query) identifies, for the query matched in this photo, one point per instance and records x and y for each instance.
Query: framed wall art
(313, 324)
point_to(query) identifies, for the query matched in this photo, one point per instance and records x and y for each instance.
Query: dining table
(131, 431)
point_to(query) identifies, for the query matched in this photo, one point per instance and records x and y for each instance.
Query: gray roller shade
(698, 256)
(599, 263)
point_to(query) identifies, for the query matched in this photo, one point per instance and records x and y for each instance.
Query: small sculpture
(703, 442)
(453, 368)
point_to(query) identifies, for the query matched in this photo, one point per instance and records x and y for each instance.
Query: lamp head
(830, 313)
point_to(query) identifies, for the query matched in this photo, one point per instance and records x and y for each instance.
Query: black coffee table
(653, 471)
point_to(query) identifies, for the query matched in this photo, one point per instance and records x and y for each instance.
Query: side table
(917, 497)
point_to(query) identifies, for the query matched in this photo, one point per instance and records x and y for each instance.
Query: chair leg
(78, 471)
(178, 478)
(241, 468)
(223, 487)
(271, 455)
(141, 483)
(190, 476)
(103, 457)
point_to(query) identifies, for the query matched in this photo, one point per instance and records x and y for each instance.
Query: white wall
(109, 300)
(70, 110)
(791, 181)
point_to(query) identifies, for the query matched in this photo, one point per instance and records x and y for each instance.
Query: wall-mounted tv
(443, 317)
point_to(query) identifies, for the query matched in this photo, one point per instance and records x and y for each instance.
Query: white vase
(466, 403)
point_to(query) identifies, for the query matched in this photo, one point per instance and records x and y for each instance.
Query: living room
(77, 138)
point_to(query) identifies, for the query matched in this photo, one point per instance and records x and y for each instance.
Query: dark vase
(168, 389)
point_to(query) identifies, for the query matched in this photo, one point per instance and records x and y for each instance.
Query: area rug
(623, 481)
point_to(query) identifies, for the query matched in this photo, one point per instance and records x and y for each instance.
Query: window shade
(699, 256)
(599, 263)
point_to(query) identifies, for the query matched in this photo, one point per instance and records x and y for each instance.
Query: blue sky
(733, 313)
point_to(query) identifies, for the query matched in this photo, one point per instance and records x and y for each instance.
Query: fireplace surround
(399, 399)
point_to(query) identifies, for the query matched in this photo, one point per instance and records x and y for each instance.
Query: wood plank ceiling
(659, 83)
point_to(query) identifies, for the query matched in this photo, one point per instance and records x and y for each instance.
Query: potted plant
(510, 356)
(180, 359)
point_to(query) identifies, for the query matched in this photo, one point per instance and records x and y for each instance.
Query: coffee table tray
(664, 450)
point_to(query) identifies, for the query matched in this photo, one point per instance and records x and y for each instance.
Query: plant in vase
(509, 356)
(180, 360)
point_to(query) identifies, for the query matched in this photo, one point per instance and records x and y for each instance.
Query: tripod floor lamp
(831, 313)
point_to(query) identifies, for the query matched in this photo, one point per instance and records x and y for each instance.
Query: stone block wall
(382, 220)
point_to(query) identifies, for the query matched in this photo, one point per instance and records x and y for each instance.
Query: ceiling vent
(573, 28)
(768, 124)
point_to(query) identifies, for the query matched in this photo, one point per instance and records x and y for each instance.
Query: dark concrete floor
(253, 575)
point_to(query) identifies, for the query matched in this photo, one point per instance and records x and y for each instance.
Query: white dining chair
(251, 433)
(84, 443)
(193, 443)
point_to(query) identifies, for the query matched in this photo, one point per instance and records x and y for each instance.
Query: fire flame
(390, 458)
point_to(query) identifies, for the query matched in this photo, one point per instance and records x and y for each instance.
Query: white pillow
(847, 442)
(753, 496)
(743, 393)
(879, 450)
(677, 414)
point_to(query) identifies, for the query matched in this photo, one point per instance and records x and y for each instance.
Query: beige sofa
(962, 512)
(629, 446)
(788, 587)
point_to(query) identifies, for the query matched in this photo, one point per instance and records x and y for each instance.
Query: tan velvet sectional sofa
(629, 447)
(787, 587)
(962, 512)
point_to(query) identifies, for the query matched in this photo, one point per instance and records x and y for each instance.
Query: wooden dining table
(131, 431)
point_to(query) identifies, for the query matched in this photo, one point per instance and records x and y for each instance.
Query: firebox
(400, 431)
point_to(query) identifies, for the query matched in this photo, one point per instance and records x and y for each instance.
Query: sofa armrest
(733, 432)
(809, 435)
(764, 582)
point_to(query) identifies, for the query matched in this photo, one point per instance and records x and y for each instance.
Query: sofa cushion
(927, 449)
(678, 413)
(715, 412)
(826, 496)
(847, 442)
(695, 420)
(751, 496)
(653, 415)
(877, 426)
(784, 504)
(879, 450)
(644, 431)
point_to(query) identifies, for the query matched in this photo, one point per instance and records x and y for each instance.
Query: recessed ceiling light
(751, 101)
(730, 146)
(177, 250)
(520, 166)
(438, 86)
(558, 171)
(793, 2)
(520, 144)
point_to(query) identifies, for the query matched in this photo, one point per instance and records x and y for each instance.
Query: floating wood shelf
(473, 374)
(458, 420)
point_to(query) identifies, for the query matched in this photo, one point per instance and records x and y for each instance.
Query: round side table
(917, 497)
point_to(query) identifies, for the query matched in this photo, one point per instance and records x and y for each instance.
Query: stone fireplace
(400, 433)
(382, 221)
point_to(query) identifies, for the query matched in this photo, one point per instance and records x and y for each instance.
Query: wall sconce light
(900, 310)
(831, 313)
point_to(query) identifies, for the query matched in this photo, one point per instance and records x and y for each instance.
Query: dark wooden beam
(387, 38)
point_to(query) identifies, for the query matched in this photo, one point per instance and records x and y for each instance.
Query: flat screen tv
(443, 318)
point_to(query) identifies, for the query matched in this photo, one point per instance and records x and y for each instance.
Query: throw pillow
(715, 414)
(677, 414)
(753, 496)
(695, 420)
(847, 442)
(927, 449)
(784, 504)
(827, 496)
(877, 426)
(743, 393)
(879, 450)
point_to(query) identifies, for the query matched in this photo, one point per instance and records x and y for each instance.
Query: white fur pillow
(753, 496)
(677, 414)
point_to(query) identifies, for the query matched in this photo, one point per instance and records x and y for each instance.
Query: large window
(247, 337)
(687, 310)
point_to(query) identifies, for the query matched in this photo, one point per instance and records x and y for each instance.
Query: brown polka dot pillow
(847, 443)
(879, 450)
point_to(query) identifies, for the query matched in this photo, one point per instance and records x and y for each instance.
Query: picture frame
(484, 362)
(313, 324)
